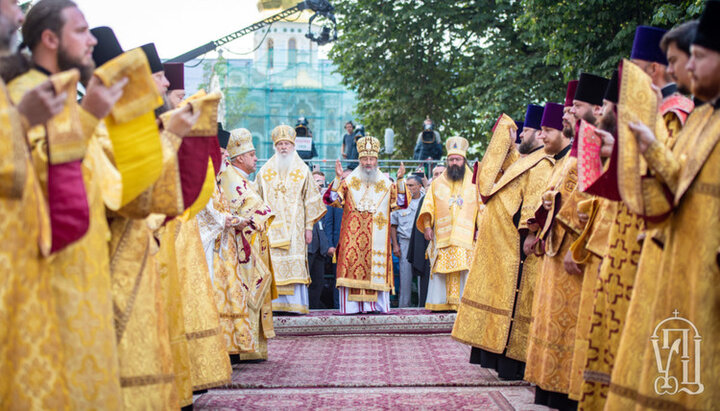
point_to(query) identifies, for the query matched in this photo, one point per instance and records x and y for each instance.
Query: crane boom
(322, 7)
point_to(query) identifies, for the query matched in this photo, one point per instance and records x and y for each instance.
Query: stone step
(397, 321)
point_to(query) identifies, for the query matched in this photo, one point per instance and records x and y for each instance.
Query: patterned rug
(425, 398)
(397, 321)
(365, 361)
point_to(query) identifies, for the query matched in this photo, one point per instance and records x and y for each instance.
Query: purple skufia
(533, 116)
(552, 116)
(646, 45)
(175, 74)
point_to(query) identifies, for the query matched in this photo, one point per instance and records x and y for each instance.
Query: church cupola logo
(676, 343)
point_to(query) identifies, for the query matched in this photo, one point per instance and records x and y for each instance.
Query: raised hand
(99, 99)
(401, 171)
(41, 104)
(338, 169)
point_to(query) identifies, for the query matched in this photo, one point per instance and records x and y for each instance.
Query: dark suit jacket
(321, 241)
(418, 245)
(332, 228)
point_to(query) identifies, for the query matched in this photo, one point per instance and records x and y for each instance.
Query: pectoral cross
(456, 200)
(296, 175)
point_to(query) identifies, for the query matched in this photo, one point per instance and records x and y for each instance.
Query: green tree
(466, 62)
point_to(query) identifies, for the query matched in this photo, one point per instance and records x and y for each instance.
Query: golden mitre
(368, 147)
(456, 145)
(240, 142)
(283, 133)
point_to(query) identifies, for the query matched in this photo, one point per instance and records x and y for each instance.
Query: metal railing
(327, 166)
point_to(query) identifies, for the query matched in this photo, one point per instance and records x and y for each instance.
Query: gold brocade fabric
(361, 249)
(14, 165)
(140, 95)
(488, 305)
(584, 324)
(520, 330)
(635, 335)
(562, 181)
(65, 134)
(499, 154)
(207, 105)
(32, 362)
(242, 289)
(131, 123)
(297, 204)
(210, 364)
(141, 324)
(450, 208)
(80, 280)
(684, 287)
(452, 259)
(636, 102)
(260, 330)
(172, 299)
(552, 334)
(611, 302)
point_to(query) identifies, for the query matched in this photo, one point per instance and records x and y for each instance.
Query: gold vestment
(495, 310)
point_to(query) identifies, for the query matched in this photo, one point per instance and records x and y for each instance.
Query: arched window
(271, 50)
(292, 52)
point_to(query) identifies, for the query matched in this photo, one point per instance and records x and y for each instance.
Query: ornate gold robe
(248, 326)
(298, 206)
(210, 364)
(142, 318)
(171, 284)
(450, 208)
(31, 353)
(617, 280)
(557, 293)
(364, 264)
(683, 280)
(493, 299)
(80, 276)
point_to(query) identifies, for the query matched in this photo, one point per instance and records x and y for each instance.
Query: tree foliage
(465, 62)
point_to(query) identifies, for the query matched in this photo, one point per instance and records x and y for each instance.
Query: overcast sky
(175, 26)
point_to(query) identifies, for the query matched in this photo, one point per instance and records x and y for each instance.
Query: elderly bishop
(367, 196)
(285, 183)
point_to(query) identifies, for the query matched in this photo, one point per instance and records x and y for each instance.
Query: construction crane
(322, 8)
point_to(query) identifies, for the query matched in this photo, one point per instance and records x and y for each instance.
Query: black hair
(681, 35)
(416, 178)
(45, 15)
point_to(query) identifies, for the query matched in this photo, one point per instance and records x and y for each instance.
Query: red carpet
(367, 371)
(397, 321)
(365, 361)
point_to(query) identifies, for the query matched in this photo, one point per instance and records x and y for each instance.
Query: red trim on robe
(68, 204)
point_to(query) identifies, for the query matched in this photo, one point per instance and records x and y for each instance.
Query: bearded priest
(286, 185)
(367, 197)
(448, 218)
